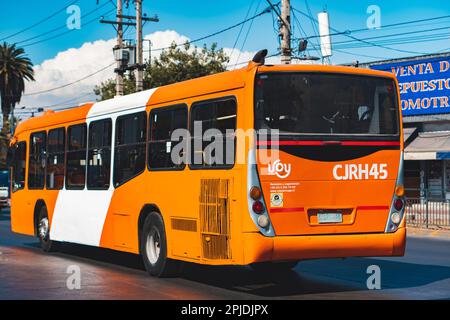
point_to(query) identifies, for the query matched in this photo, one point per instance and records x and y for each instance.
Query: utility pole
(139, 48)
(285, 32)
(129, 57)
(119, 72)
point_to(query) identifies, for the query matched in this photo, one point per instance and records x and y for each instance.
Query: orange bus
(103, 174)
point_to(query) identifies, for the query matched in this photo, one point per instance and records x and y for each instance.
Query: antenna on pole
(325, 38)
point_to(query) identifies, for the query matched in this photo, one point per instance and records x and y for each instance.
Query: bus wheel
(43, 231)
(154, 248)
(277, 267)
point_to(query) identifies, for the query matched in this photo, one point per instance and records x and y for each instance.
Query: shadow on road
(308, 277)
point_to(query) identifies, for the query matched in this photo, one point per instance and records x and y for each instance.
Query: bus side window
(55, 158)
(217, 120)
(76, 157)
(129, 149)
(37, 160)
(99, 155)
(163, 122)
(19, 166)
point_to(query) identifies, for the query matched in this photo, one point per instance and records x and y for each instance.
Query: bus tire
(154, 248)
(43, 231)
(274, 267)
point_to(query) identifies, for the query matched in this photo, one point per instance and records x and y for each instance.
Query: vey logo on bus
(281, 170)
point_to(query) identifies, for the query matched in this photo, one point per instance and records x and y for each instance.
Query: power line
(269, 56)
(405, 40)
(66, 32)
(316, 32)
(159, 49)
(64, 26)
(240, 30)
(71, 83)
(215, 33)
(39, 22)
(248, 32)
(62, 103)
(303, 32)
(372, 44)
(394, 35)
(359, 54)
(381, 27)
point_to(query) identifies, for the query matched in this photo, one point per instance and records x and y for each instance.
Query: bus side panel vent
(183, 224)
(215, 218)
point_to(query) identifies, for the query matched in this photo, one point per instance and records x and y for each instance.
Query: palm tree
(15, 68)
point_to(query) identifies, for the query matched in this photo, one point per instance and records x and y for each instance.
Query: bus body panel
(176, 194)
(363, 199)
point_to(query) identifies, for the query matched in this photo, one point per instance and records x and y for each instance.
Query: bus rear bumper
(259, 248)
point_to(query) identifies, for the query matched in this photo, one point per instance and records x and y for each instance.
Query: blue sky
(72, 56)
(196, 18)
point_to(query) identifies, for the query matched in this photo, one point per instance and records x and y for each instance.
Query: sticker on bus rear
(376, 171)
(276, 200)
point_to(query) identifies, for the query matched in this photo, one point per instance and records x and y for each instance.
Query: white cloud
(75, 63)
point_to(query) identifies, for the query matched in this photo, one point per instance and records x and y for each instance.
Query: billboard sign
(424, 85)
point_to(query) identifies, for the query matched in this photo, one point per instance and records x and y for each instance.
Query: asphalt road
(28, 273)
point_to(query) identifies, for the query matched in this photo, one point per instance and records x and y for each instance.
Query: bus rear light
(255, 193)
(398, 204)
(258, 207)
(396, 217)
(263, 221)
(399, 191)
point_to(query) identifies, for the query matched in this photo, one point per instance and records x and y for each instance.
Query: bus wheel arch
(153, 243)
(37, 210)
(145, 212)
(41, 214)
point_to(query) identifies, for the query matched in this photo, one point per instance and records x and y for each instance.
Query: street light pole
(119, 74)
(285, 32)
(139, 48)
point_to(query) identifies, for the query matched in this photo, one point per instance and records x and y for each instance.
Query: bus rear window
(326, 104)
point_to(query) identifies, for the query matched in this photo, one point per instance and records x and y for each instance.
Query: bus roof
(224, 81)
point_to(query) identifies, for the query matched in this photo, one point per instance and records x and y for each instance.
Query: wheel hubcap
(153, 245)
(43, 229)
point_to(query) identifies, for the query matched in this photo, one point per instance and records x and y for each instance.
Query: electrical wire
(215, 33)
(40, 21)
(394, 35)
(66, 32)
(62, 26)
(246, 35)
(158, 49)
(371, 44)
(403, 24)
(71, 83)
(240, 30)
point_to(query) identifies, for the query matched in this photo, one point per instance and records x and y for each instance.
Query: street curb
(428, 233)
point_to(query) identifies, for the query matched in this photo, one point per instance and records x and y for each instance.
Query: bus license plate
(335, 217)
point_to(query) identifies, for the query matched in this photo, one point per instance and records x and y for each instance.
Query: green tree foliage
(173, 65)
(15, 68)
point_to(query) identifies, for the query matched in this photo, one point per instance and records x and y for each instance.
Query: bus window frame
(64, 161)
(45, 156)
(13, 188)
(191, 124)
(88, 148)
(334, 137)
(68, 187)
(180, 106)
(115, 146)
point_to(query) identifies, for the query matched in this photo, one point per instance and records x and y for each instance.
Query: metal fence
(427, 212)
